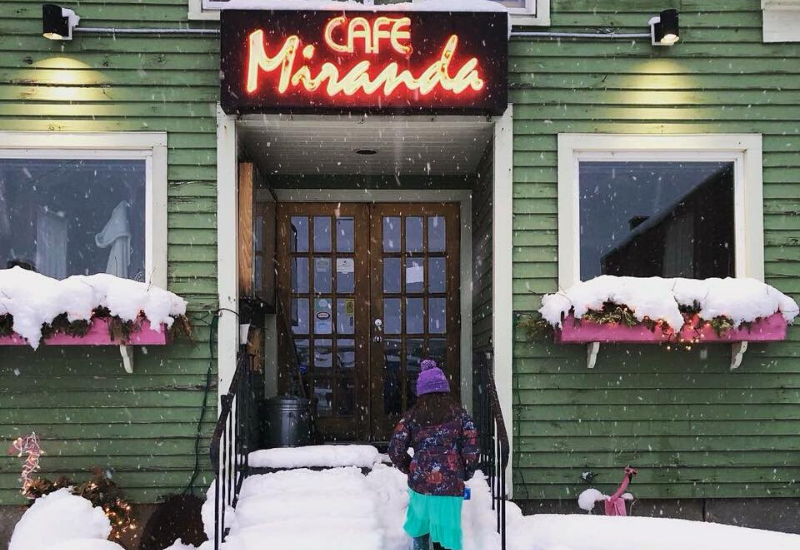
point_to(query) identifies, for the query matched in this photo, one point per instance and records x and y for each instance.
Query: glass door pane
(323, 246)
(415, 296)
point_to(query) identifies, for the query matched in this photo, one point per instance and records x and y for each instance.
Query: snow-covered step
(316, 456)
(334, 497)
(329, 495)
(306, 510)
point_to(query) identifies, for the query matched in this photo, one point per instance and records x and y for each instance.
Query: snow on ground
(322, 456)
(62, 521)
(585, 532)
(304, 509)
(33, 299)
(742, 300)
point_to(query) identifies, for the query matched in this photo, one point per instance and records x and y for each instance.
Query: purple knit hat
(431, 379)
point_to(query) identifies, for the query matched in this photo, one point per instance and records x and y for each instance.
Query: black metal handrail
(231, 443)
(493, 437)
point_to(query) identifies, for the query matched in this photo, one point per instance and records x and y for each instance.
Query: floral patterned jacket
(445, 455)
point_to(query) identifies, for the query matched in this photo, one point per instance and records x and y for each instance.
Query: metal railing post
(493, 438)
(230, 444)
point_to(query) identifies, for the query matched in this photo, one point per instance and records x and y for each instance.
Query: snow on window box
(84, 310)
(610, 309)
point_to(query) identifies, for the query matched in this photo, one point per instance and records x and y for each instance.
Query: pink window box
(768, 329)
(98, 335)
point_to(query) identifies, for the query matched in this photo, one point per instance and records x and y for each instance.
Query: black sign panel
(369, 61)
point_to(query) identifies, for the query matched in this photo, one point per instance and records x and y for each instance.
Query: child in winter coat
(445, 444)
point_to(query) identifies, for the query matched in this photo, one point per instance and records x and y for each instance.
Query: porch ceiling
(414, 146)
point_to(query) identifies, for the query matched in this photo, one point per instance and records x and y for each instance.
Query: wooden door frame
(356, 428)
(451, 211)
(461, 196)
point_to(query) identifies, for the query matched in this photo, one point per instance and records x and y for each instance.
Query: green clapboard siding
(692, 427)
(89, 412)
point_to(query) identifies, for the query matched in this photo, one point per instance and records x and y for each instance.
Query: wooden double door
(368, 291)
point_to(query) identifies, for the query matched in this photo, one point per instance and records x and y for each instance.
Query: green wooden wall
(693, 428)
(88, 411)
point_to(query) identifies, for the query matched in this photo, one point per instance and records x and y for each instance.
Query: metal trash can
(287, 422)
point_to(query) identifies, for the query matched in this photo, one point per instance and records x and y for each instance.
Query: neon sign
(370, 61)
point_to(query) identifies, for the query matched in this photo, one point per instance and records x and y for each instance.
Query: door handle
(378, 329)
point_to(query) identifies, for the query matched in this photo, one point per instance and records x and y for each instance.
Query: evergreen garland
(535, 327)
(615, 313)
(6, 325)
(61, 324)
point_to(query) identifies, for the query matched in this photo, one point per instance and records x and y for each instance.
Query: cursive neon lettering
(259, 61)
(437, 75)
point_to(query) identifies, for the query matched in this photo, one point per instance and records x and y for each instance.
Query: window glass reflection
(668, 219)
(63, 217)
(391, 234)
(298, 237)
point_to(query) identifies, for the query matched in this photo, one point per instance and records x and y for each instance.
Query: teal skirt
(439, 516)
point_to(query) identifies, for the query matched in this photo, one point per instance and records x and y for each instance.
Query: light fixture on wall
(665, 28)
(58, 22)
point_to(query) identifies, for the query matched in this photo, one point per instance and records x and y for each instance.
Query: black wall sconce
(58, 22)
(665, 28)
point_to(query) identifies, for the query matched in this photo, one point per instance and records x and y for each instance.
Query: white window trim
(744, 150)
(150, 146)
(781, 20)
(535, 12)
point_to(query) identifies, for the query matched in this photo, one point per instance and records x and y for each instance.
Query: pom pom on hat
(431, 378)
(427, 364)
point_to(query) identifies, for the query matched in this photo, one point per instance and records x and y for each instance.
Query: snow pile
(179, 545)
(316, 456)
(741, 300)
(207, 514)
(479, 521)
(340, 508)
(588, 498)
(584, 532)
(282, 507)
(390, 488)
(33, 299)
(352, 5)
(62, 521)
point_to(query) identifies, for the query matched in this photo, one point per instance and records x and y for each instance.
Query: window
(74, 204)
(667, 206)
(523, 12)
(781, 20)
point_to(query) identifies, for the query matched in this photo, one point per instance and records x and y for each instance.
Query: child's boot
(422, 543)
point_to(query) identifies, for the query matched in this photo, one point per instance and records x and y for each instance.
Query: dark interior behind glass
(64, 217)
(668, 219)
